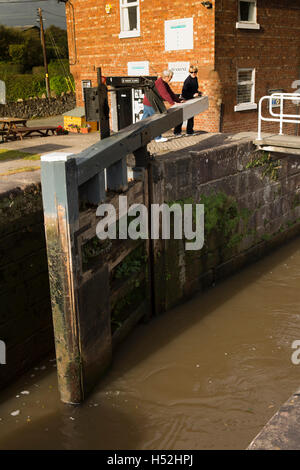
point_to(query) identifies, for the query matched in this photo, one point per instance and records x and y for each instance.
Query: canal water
(206, 375)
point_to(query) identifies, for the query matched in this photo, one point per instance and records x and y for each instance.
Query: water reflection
(206, 375)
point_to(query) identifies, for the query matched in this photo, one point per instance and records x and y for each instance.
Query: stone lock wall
(25, 308)
(252, 204)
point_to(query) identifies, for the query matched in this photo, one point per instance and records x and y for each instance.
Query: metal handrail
(278, 117)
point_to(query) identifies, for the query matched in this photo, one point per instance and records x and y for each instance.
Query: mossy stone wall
(25, 309)
(251, 202)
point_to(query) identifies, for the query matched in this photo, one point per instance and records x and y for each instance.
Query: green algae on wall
(225, 226)
(129, 281)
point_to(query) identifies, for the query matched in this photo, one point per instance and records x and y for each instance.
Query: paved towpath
(19, 172)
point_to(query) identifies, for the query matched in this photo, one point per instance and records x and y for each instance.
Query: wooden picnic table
(10, 124)
(16, 127)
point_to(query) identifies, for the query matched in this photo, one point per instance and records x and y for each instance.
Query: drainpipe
(221, 117)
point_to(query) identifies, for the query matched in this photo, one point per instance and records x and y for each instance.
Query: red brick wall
(98, 45)
(219, 50)
(274, 52)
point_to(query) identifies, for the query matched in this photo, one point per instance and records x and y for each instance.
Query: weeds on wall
(272, 166)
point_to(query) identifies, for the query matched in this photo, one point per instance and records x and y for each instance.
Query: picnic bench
(11, 127)
(7, 124)
(24, 131)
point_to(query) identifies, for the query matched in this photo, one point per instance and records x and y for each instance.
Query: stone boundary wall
(39, 107)
(25, 308)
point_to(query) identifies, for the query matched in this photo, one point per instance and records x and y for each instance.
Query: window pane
(245, 76)
(129, 18)
(132, 13)
(244, 11)
(244, 93)
(247, 11)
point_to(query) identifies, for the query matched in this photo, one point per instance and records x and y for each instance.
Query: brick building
(243, 49)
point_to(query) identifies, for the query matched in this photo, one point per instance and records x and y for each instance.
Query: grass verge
(6, 155)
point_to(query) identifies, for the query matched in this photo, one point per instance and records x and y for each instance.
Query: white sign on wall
(138, 68)
(180, 69)
(179, 34)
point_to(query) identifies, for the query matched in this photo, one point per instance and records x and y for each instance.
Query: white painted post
(259, 119)
(281, 114)
(2, 353)
(2, 92)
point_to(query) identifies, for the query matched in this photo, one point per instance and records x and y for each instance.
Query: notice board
(179, 34)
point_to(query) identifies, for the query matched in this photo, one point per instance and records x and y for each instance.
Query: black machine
(129, 91)
(118, 82)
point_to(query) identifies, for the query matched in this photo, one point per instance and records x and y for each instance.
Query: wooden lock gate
(82, 297)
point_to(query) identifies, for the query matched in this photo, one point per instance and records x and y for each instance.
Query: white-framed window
(85, 84)
(247, 15)
(245, 90)
(129, 18)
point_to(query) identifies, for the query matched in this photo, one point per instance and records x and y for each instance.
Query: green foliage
(22, 51)
(221, 213)
(24, 86)
(38, 70)
(6, 155)
(266, 237)
(132, 264)
(94, 248)
(34, 52)
(21, 47)
(271, 166)
(296, 201)
(60, 84)
(8, 36)
(17, 53)
(8, 68)
(126, 305)
(58, 67)
(60, 39)
(32, 55)
(222, 217)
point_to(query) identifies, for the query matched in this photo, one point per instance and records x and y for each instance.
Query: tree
(18, 53)
(60, 39)
(34, 53)
(8, 36)
(21, 47)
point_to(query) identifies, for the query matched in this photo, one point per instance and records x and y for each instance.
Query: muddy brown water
(207, 375)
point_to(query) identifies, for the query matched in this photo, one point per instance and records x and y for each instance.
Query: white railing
(278, 117)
